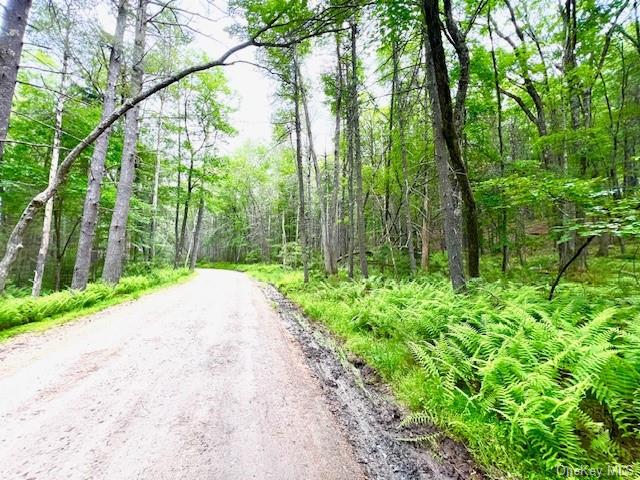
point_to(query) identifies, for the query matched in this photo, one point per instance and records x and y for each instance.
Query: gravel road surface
(197, 381)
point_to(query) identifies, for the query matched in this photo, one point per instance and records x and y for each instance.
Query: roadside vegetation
(19, 311)
(530, 386)
(452, 186)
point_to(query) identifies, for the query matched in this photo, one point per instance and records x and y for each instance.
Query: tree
(117, 232)
(96, 168)
(14, 23)
(16, 13)
(63, 24)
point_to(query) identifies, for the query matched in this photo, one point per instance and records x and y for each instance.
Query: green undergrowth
(21, 314)
(530, 386)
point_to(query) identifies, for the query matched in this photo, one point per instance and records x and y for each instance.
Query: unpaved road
(197, 381)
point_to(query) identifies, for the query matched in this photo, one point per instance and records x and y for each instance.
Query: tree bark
(53, 168)
(330, 264)
(450, 134)
(334, 206)
(156, 185)
(425, 231)
(185, 211)
(504, 245)
(96, 169)
(302, 219)
(16, 13)
(114, 256)
(406, 199)
(446, 184)
(195, 241)
(357, 155)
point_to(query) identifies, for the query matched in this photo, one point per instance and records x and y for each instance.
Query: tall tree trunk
(446, 184)
(330, 264)
(569, 66)
(425, 231)
(406, 198)
(185, 211)
(16, 13)
(302, 219)
(386, 217)
(351, 232)
(629, 166)
(357, 155)
(96, 168)
(114, 257)
(450, 134)
(195, 241)
(57, 227)
(156, 185)
(53, 168)
(334, 206)
(504, 245)
(176, 219)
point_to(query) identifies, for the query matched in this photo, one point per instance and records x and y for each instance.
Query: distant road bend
(197, 381)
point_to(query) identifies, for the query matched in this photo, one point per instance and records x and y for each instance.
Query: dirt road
(197, 381)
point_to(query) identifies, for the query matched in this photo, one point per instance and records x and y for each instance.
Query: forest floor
(201, 380)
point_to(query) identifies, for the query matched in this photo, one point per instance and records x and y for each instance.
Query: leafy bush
(529, 385)
(18, 311)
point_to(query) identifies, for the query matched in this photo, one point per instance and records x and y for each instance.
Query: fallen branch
(566, 265)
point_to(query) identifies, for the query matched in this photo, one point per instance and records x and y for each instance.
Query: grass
(26, 314)
(529, 385)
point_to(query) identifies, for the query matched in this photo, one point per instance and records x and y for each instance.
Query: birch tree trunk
(96, 168)
(117, 231)
(53, 168)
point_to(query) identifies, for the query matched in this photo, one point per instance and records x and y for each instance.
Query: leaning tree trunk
(96, 169)
(15, 241)
(53, 168)
(301, 210)
(357, 156)
(117, 231)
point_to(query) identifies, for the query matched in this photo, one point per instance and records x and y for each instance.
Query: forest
(451, 187)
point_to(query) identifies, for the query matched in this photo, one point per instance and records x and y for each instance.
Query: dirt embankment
(367, 412)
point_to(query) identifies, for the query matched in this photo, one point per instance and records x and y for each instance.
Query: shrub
(21, 310)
